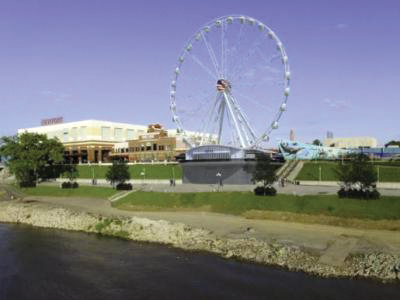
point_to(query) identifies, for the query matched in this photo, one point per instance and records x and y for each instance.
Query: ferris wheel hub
(223, 85)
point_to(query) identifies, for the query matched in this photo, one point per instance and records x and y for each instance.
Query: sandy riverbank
(373, 264)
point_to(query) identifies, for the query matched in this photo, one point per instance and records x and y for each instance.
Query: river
(54, 264)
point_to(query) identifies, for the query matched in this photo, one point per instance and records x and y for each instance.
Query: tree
(358, 176)
(317, 142)
(118, 172)
(393, 143)
(70, 172)
(363, 171)
(265, 172)
(30, 155)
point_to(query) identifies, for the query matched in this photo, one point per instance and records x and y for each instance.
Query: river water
(53, 264)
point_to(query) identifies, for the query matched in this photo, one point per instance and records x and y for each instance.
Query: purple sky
(114, 60)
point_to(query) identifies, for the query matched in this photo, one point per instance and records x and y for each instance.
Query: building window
(65, 134)
(118, 134)
(74, 133)
(105, 133)
(83, 133)
(161, 147)
(130, 134)
(154, 147)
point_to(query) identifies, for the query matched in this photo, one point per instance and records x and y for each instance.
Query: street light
(219, 179)
(320, 173)
(173, 175)
(377, 172)
(143, 174)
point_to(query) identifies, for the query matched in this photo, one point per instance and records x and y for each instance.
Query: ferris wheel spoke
(203, 66)
(211, 53)
(239, 41)
(244, 59)
(254, 102)
(205, 129)
(224, 49)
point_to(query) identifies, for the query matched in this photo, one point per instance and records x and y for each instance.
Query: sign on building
(52, 121)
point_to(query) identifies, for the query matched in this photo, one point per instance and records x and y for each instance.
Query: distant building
(292, 136)
(351, 142)
(94, 141)
(157, 144)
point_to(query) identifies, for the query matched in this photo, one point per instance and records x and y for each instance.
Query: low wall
(380, 185)
(86, 181)
(205, 172)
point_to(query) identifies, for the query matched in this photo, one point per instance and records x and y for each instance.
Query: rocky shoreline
(379, 266)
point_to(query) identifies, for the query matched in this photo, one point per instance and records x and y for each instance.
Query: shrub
(359, 193)
(270, 191)
(342, 193)
(69, 185)
(66, 185)
(265, 191)
(124, 186)
(375, 194)
(26, 184)
(259, 191)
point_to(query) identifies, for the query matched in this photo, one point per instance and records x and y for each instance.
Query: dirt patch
(130, 207)
(323, 220)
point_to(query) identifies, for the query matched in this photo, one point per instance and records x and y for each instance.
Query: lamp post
(93, 177)
(173, 176)
(143, 174)
(377, 172)
(320, 173)
(219, 179)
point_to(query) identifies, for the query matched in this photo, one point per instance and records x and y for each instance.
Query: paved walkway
(288, 189)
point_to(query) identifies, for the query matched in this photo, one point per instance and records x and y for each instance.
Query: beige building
(89, 140)
(96, 141)
(351, 142)
(157, 144)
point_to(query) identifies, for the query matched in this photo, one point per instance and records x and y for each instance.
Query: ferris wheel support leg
(246, 123)
(221, 119)
(235, 121)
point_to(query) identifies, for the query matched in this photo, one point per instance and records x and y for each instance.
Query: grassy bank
(238, 203)
(310, 171)
(82, 191)
(151, 171)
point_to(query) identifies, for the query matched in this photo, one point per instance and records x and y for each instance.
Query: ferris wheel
(231, 84)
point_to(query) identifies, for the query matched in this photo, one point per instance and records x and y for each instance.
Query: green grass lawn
(310, 171)
(151, 171)
(239, 202)
(82, 191)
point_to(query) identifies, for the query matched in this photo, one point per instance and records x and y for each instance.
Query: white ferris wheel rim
(217, 22)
